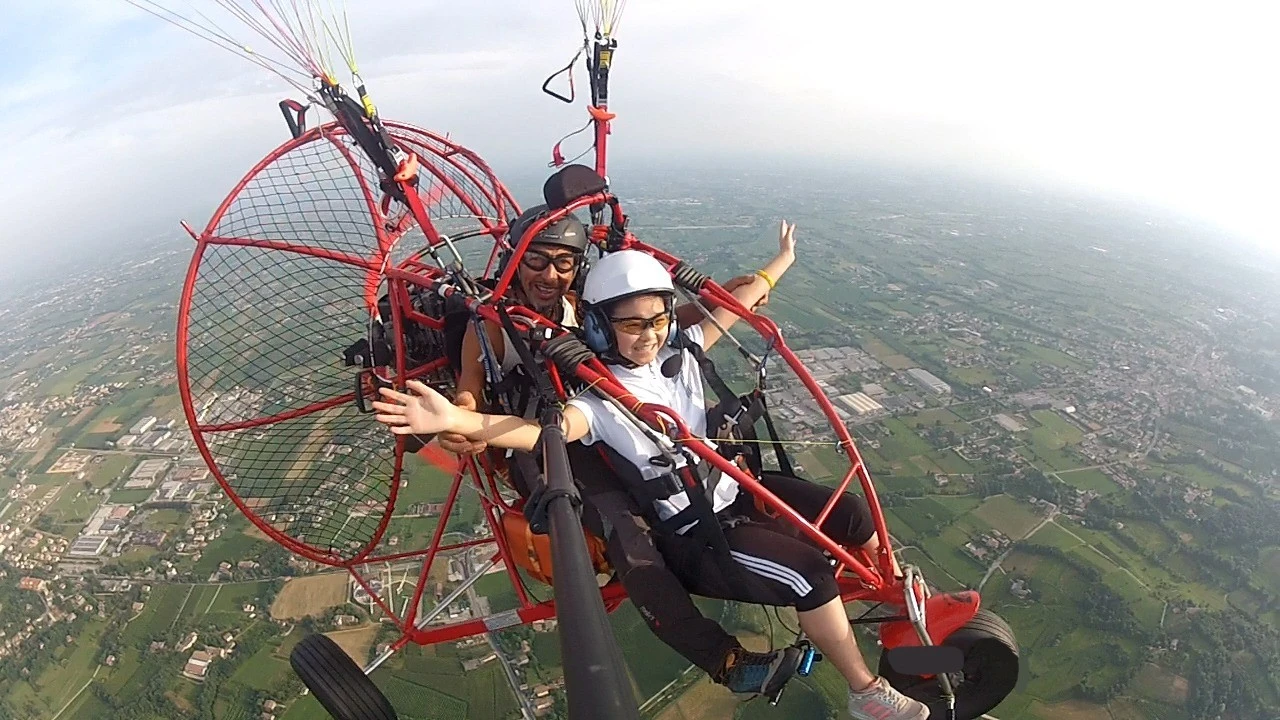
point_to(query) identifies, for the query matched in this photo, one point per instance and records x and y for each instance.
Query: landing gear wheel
(337, 682)
(989, 675)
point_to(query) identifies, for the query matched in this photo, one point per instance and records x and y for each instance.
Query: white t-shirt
(683, 393)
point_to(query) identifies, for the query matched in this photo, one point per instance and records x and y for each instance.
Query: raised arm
(427, 411)
(751, 293)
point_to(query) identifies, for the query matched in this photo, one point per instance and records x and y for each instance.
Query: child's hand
(425, 413)
(787, 240)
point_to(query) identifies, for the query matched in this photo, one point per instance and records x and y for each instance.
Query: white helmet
(616, 276)
(623, 274)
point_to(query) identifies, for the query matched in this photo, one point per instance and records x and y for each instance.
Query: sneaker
(752, 673)
(882, 702)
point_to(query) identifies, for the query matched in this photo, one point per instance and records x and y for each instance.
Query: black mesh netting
(267, 327)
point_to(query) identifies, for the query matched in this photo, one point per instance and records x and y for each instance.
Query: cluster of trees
(1028, 484)
(1099, 605)
(1224, 679)
(36, 652)
(1100, 687)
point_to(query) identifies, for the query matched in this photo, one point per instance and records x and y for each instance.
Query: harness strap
(647, 493)
(784, 462)
(734, 418)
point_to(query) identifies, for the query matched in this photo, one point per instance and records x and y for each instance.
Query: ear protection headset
(618, 276)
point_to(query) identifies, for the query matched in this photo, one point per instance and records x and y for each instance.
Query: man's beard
(550, 311)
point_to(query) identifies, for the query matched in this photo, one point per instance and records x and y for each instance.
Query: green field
(1054, 432)
(946, 550)
(813, 467)
(232, 596)
(1269, 568)
(1049, 460)
(159, 614)
(130, 497)
(1048, 356)
(65, 382)
(73, 666)
(651, 662)
(1090, 480)
(1052, 535)
(902, 443)
(110, 469)
(975, 376)
(932, 573)
(425, 483)
(952, 463)
(940, 417)
(230, 547)
(264, 670)
(73, 505)
(1058, 647)
(1008, 515)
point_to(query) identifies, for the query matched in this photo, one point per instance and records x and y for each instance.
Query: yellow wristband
(767, 279)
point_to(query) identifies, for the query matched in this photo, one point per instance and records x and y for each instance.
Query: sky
(120, 125)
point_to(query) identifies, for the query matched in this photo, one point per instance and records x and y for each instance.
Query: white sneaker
(881, 701)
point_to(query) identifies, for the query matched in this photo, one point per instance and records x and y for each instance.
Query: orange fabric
(533, 552)
(601, 114)
(408, 169)
(435, 455)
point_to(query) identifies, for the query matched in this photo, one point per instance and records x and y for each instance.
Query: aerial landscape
(1029, 315)
(1064, 403)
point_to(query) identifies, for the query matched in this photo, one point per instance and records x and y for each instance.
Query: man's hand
(455, 443)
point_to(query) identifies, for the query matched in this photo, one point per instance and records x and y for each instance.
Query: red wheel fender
(944, 614)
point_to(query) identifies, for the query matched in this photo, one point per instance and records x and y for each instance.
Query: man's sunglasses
(636, 326)
(538, 262)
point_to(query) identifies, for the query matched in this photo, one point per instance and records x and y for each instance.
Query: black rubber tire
(990, 670)
(338, 682)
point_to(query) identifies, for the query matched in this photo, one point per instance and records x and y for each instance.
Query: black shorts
(771, 561)
(774, 563)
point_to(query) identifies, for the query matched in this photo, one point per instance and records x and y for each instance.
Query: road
(526, 705)
(996, 565)
(1051, 519)
(73, 697)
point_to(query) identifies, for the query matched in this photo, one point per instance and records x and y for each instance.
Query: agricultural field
(72, 668)
(887, 355)
(902, 441)
(1090, 480)
(311, 595)
(1054, 432)
(66, 381)
(130, 497)
(1009, 515)
(941, 417)
(1048, 356)
(110, 468)
(231, 547)
(1269, 568)
(704, 699)
(976, 376)
(356, 642)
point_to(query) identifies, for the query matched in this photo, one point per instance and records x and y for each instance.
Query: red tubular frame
(859, 577)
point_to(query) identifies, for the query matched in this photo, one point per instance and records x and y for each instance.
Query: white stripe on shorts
(773, 571)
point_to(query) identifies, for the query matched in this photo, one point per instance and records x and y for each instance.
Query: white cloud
(123, 123)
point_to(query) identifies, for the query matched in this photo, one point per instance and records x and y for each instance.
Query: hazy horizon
(120, 124)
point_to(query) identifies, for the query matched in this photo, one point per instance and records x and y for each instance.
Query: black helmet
(566, 232)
